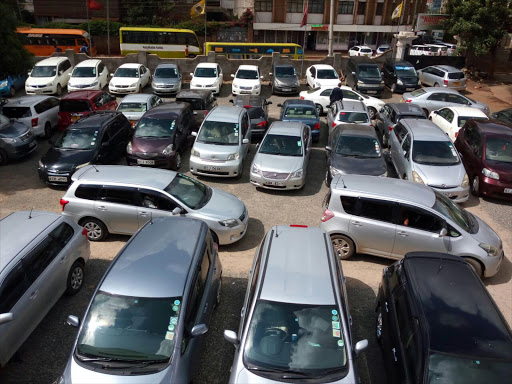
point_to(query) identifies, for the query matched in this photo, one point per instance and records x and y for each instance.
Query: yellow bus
(254, 50)
(42, 41)
(164, 42)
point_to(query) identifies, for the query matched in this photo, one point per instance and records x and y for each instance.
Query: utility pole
(331, 28)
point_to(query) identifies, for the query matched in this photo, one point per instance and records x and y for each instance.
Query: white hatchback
(322, 75)
(88, 74)
(451, 119)
(207, 76)
(49, 76)
(360, 50)
(246, 80)
(129, 78)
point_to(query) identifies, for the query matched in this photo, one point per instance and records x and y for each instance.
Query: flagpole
(108, 28)
(305, 34)
(205, 22)
(88, 27)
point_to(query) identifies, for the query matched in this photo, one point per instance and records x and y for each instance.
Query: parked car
(303, 111)
(161, 136)
(486, 151)
(440, 50)
(322, 75)
(129, 78)
(347, 112)
(43, 256)
(295, 334)
(257, 107)
(443, 76)
(422, 50)
(432, 98)
(208, 76)
(282, 159)
(389, 217)
(167, 79)
(202, 102)
(284, 79)
(40, 113)
(49, 76)
(321, 98)
(222, 143)
(354, 149)
(98, 138)
(360, 50)
(16, 140)
(75, 105)
(11, 84)
(422, 153)
(382, 48)
(89, 74)
(504, 116)
(364, 75)
(390, 114)
(451, 119)
(400, 76)
(415, 297)
(135, 106)
(111, 199)
(450, 48)
(152, 318)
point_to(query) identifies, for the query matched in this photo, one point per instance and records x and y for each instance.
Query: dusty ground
(44, 354)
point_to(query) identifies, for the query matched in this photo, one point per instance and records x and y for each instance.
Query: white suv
(246, 80)
(49, 76)
(89, 74)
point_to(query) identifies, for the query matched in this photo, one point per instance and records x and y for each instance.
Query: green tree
(14, 58)
(479, 25)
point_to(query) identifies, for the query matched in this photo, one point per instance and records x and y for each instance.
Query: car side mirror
(29, 72)
(436, 112)
(194, 133)
(280, 105)
(191, 74)
(360, 346)
(106, 144)
(382, 73)
(195, 113)
(328, 149)
(198, 330)
(232, 101)
(245, 141)
(111, 74)
(353, 73)
(233, 76)
(406, 154)
(268, 102)
(443, 232)
(231, 337)
(381, 110)
(177, 211)
(261, 77)
(73, 321)
(270, 74)
(6, 318)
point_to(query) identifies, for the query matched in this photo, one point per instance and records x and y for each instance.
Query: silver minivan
(390, 217)
(295, 324)
(42, 256)
(222, 143)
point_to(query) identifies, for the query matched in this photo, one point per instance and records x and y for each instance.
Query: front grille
(37, 86)
(246, 88)
(26, 136)
(146, 155)
(371, 85)
(214, 172)
(120, 86)
(213, 160)
(58, 172)
(442, 186)
(275, 175)
(165, 86)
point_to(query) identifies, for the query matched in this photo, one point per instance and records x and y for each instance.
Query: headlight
(257, 86)
(9, 140)
(235, 85)
(334, 171)
(195, 153)
(382, 82)
(96, 82)
(490, 174)
(491, 250)
(359, 82)
(167, 150)
(317, 84)
(419, 82)
(255, 169)
(416, 178)
(41, 165)
(49, 84)
(234, 156)
(465, 181)
(82, 165)
(230, 223)
(129, 149)
(297, 173)
(133, 85)
(400, 82)
(3, 83)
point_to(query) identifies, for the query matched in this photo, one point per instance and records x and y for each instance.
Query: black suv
(257, 107)
(97, 138)
(364, 75)
(400, 76)
(201, 101)
(390, 114)
(436, 323)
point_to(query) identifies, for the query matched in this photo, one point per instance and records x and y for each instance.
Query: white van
(49, 76)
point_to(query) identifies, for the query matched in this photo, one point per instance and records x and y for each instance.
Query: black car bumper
(58, 179)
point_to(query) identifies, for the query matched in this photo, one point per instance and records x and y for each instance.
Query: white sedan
(321, 98)
(451, 119)
(129, 78)
(360, 50)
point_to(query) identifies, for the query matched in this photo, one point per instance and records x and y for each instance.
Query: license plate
(75, 118)
(287, 89)
(274, 183)
(245, 92)
(508, 190)
(57, 178)
(371, 91)
(38, 91)
(146, 162)
(409, 89)
(457, 83)
(211, 168)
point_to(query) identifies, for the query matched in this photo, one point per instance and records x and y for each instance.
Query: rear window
(74, 106)
(366, 50)
(418, 92)
(88, 192)
(194, 103)
(16, 112)
(353, 117)
(256, 113)
(455, 75)
(349, 204)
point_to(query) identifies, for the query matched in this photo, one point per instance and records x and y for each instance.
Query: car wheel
(59, 90)
(343, 246)
(372, 112)
(425, 111)
(47, 130)
(75, 278)
(319, 109)
(328, 178)
(96, 230)
(240, 174)
(13, 92)
(393, 88)
(3, 157)
(177, 161)
(475, 186)
(436, 84)
(476, 266)
(378, 326)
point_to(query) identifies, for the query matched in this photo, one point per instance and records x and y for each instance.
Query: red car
(486, 149)
(77, 104)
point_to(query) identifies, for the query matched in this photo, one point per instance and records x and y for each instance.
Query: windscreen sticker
(92, 143)
(336, 325)
(175, 308)
(454, 153)
(314, 344)
(336, 333)
(76, 145)
(236, 134)
(299, 143)
(335, 318)
(169, 336)
(176, 302)
(334, 312)
(341, 343)
(173, 320)
(173, 124)
(171, 327)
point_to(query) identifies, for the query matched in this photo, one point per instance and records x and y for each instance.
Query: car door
(153, 204)
(435, 101)
(324, 98)
(246, 133)
(118, 140)
(456, 100)
(103, 75)
(471, 149)
(182, 131)
(220, 75)
(389, 74)
(117, 207)
(52, 112)
(443, 119)
(396, 137)
(306, 140)
(110, 102)
(147, 75)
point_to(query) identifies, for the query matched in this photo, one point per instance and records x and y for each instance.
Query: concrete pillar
(275, 58)
(142, 58)
(337, 60)
(211, 57)
(402, 40)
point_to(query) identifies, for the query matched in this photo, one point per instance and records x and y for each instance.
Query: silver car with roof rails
(167, 79)
(347, 112)
(136, 105)
(390, 217)
(121, 199)
(295, 324)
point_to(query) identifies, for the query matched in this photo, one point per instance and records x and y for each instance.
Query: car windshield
(418, 92)
(131, 106)
(16, 112)
(189, 191)
(455, 75)
(129, 328)
(166, 73)
(449, 369)
(499, 148)
(418, 116)
(281, 145)
(326, 74)
(77, 139)
(196, 104)
(74, 106)
(44, 71)
(352, 117)
(302, 112)
(127, 72)
(367, 71)
(247, 74)
(434, 153)
(462, 119)
(151, 128)
(405, 71)
(4, 120)
(285, 72)
(284, 338)
(205, 72)
(449, 209)
(358, 146)
(84, 72)
(313, 90)
(219, 132)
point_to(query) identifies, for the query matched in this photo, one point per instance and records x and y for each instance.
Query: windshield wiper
(285, 373)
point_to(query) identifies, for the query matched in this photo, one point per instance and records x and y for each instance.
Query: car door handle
(33, 295)
(394, 354)
(102, 208)
(205, 308)
(402, 233)
(143, 214)
(357, 224)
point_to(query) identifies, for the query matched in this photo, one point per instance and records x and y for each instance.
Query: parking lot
(43, 356)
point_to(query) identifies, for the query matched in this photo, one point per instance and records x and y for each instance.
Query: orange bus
(42, 41)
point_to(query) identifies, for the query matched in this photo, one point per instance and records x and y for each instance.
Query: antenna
(30, 213)
(343, 181)
(95, 167)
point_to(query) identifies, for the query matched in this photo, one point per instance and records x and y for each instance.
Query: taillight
(247, 106)
(298, 226)
(84, 231)
(63, 203)
(328, 215)
(408, 101)
(34, 121)
(445, 82)
(205, 113)
(456, 134)
(262, 124)
(390, 128)
(359, 54)
(316, 127)
(302, 97)
(333, 124)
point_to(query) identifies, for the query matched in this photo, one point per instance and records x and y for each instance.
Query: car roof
(352, 105)
(225, 113)
(130, 65)
(167, 65)
(297, 267)
(207, 65)
(461, 317)
(25, 101)
(137, 97)
(490, 127)
(249, 67)
(287, 128)
(467, 111)
(88, 63)
(81, 95)
(167, 109)
(52, 60)
(356, 130)
(94, 120)
(156, 261)
(298, 102)
(406, 108)
(322, 66)
(447, 68)
(424, 129)
(438, 89)
(124, 174)
(251, 100)
(278, 64)
(194, 94)
(18, 229)
(389, 188)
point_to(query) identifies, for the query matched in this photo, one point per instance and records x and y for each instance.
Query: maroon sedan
(77, 104)
(486, 149)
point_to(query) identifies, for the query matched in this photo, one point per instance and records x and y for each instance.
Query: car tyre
(476, 266)
(59, 90)
(12, 92)
(47, 130)
(3, 157)
(475, 186)
(436, 84)
(393, 88)
(372, 112)
(75, 278)
(328, 178)
(96, 230)
(425, 111)
(241, 173)
(177, 161)
(343, 246)
(319, 109)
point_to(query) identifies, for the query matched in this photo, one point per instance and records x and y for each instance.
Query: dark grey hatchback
(16, 140)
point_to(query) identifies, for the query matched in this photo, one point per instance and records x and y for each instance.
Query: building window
(361, 9)
(316, 6)
(296, 6)
(346, 8)
(380, 8)
(263, 5)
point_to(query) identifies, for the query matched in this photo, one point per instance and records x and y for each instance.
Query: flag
(397, 12)
(94, 5)
(305, 16)
(197, 9)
